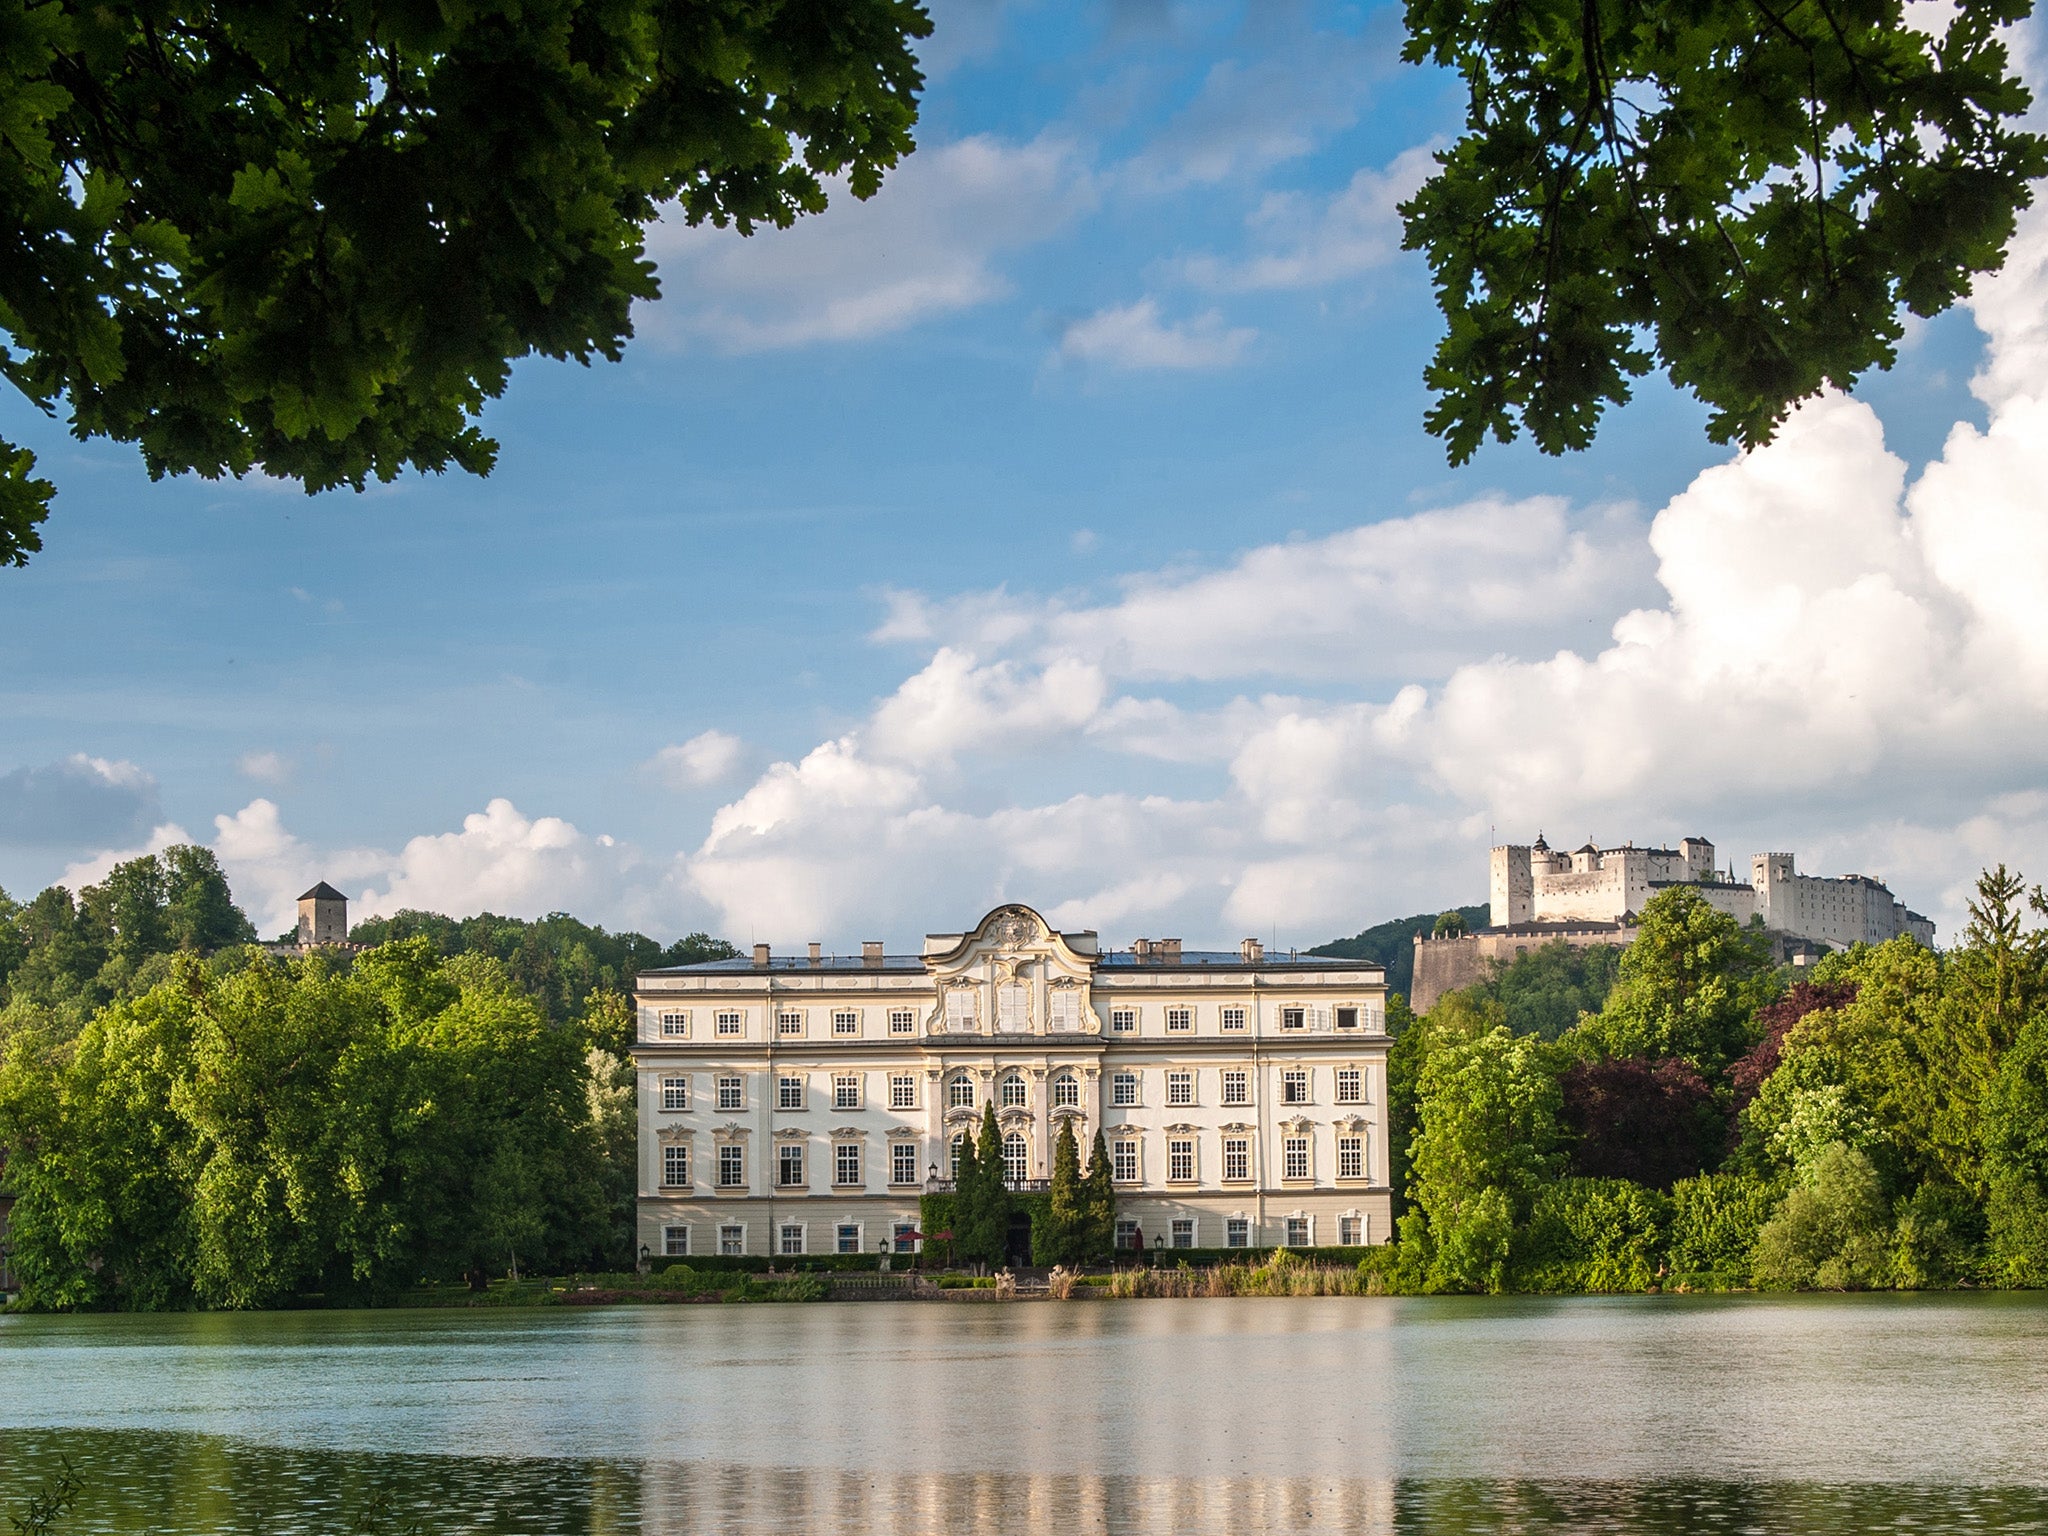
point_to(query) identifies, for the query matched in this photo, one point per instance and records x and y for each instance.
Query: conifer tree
(1098, 1204)
(966, 1194)
(982, 1218)
(1065, 1238)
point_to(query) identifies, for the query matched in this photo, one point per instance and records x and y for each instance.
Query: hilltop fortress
(1592, 896)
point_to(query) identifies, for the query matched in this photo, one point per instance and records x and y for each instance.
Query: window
(959, 1141)
(1294, 1157)
(1294, 1086)
(1350, 1157)
(1298, 1232)
(848, 1237)
(846, 1163)
(902, 1162)
(846, 1091)
(675, 1093)
(1123, 1021)
(1013, 1007)
(1237, 1233)
(732, 1093)
(790, 1022)
(732, 1167)
(960, 1008)
(1180, 1160)
(732, 1240)
(1179, 1020)
(1065, 1009)
(1347, 1018)
(1180, 1087)
(792, 1238)
(789, 1093)
(1128, 1235)
(731, 1024)
(1123, 1162)
(1013, 1092)
(789, 1164)
(675, 1166)
(903, 1091)
(1351, 1231)
(675, 1242)
(899, 1234)
(1350, 1086)
(1183, 1232)
(1232, 1018)
(902, 1021)
(1294, 1018)
(675, 1025)
(1066, 1091)
(1016, 1158)
(1236, 1086)
(845, 1022)
(1123, 1089)
(1237, 1157)
(960, 1092)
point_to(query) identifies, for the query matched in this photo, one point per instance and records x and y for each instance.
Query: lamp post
(884, 1264)
(646, 1258)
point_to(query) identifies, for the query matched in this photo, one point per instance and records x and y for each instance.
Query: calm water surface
(1641, 1415)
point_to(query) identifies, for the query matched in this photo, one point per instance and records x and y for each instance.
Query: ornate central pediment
(1013, 974)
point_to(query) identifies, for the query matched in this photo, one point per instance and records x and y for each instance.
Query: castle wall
(1446, 964)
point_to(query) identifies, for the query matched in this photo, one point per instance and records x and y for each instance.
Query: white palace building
(803, 1104)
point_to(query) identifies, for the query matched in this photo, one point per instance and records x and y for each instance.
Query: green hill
(1392, 944)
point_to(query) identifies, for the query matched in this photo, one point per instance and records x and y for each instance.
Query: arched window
(960, 1092)
(1013, 1091)
(959, 1141)
(1066, 1091)
(1016, 1158)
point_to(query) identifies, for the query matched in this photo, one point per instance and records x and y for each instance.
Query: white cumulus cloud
(705, 758)
(1133, 337)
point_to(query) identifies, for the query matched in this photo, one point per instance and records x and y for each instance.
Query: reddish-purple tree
(1748, 1074)
(1634, 1118)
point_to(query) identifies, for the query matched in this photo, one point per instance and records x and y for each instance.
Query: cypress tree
(966, 1196)
(1065, 1240)
(986, 1227)
(1098, 1204)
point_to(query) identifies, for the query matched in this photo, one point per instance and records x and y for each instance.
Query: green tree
(981, 1200)
(2016, 1158)
(199, 910)
(1062, 1236)
(314, 242)
(1099, 1203)
(1487, 1141)
(1831, 1234)
(1449, 925)
(1751, 195)
(1548, 990)
(1690, 986)
(2002, 963)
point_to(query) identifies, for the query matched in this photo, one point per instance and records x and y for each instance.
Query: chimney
(1142, 949)
(760, 956)
(814, 952)
(1169, 951)
(871, 953)
(1252, 950)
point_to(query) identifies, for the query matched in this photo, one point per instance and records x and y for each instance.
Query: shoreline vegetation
(445, 1111)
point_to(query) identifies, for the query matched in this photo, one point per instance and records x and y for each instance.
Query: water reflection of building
(802, 1104)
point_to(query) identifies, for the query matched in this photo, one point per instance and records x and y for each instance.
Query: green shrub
(1832, 1235)
(1715, 1220)
(1594, 1235)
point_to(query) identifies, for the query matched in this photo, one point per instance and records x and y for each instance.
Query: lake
(1645, 1414)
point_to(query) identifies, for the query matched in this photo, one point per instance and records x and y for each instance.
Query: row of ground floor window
(797, 1238)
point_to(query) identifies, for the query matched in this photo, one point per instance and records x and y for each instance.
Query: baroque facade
(803, 1104)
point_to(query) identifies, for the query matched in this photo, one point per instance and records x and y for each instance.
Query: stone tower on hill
(323, 916)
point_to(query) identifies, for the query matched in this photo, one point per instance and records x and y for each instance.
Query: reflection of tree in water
(184, 1485)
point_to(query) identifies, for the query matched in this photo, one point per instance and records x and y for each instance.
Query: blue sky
(1058, 526)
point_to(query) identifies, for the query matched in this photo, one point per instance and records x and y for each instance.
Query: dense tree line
(63, 955)
(556, 960)
(189, 1119)
(1073, 1221)
(1879, 1121)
